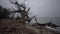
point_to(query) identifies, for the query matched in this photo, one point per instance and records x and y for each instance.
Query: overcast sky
(46, 8)
(42, 8)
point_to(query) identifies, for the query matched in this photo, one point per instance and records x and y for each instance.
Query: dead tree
(24, 12)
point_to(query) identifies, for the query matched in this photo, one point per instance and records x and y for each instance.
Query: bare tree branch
(28, 9)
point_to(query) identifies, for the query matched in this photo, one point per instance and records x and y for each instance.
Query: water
(55, 20)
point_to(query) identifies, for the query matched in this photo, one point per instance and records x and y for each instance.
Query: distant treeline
(3, 12)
